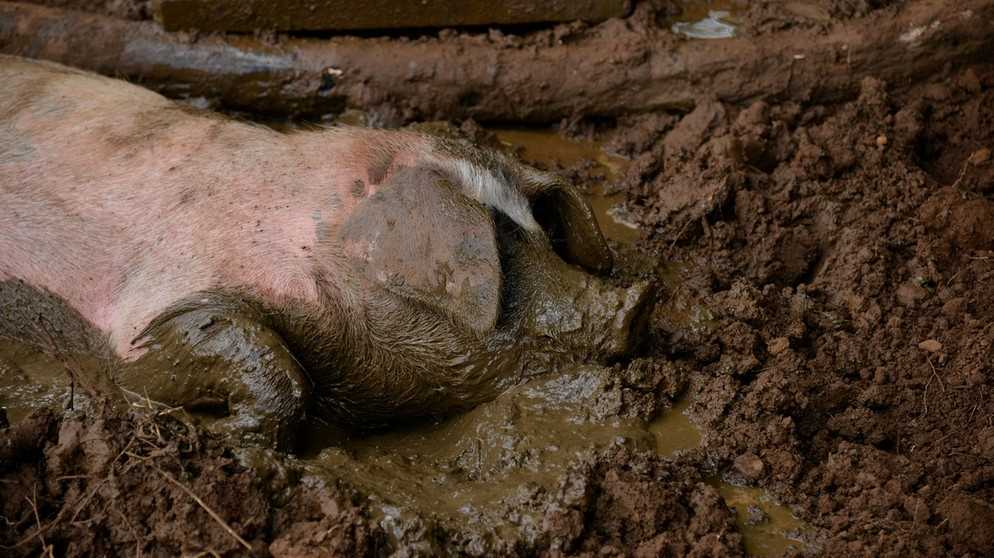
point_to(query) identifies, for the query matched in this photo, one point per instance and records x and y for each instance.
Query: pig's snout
(593, 317)
(628, 324)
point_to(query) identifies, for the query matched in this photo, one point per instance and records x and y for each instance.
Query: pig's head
(443, 291)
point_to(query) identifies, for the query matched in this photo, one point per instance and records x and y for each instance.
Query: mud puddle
(710, 19)
(767, 528)
(484, 473)
(31, 380)
(673, 431)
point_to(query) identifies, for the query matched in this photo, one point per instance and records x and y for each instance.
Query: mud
(31, 380)
(125, 9)
(824, 342)
(249, 16)
(492, 480)
(619, 67)
(843, 252)
(768, 528)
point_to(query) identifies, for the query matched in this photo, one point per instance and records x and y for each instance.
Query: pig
(340, 274)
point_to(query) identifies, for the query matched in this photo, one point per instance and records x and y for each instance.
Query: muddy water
(30, 380)
(708, 19)
(474, 471)
(673, 431)
(770, 531)
(546, 147)
(768, 528)
(476, 467)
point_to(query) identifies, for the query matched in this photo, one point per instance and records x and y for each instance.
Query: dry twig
(46, 549)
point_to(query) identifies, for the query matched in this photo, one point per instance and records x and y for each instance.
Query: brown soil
(113, 484)
(846, 253)
(618, 67)
(135, 484)
(829, 313)
(125, 9)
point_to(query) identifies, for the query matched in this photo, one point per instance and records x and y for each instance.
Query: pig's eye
(513, 268)
(572, 229)
(548, 211)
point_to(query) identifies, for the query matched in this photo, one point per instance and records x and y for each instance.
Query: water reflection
(713, 19)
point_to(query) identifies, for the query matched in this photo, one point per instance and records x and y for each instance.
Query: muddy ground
(827, 327)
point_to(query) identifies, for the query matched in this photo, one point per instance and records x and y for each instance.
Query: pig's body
(119, 202)
(139, 214)
(122, 202)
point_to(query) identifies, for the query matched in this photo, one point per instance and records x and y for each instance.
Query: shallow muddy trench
(485, 479)
(815, 380)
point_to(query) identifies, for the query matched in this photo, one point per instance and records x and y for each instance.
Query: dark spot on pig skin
(187, 195)
(358, 189)
(151, 125)
(379, 166)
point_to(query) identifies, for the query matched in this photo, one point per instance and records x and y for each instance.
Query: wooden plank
(346, 15)
(608, 73)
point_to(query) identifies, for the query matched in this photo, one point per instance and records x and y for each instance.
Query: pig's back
(56, 233)
(117, 200)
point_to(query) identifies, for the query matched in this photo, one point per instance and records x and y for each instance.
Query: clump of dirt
(111, 483)
(767, 17)
(845, 254)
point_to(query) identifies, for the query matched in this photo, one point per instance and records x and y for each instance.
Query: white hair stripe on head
(490, 190)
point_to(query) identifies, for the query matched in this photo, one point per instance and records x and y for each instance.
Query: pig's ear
(568, 220)
(421, 238)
